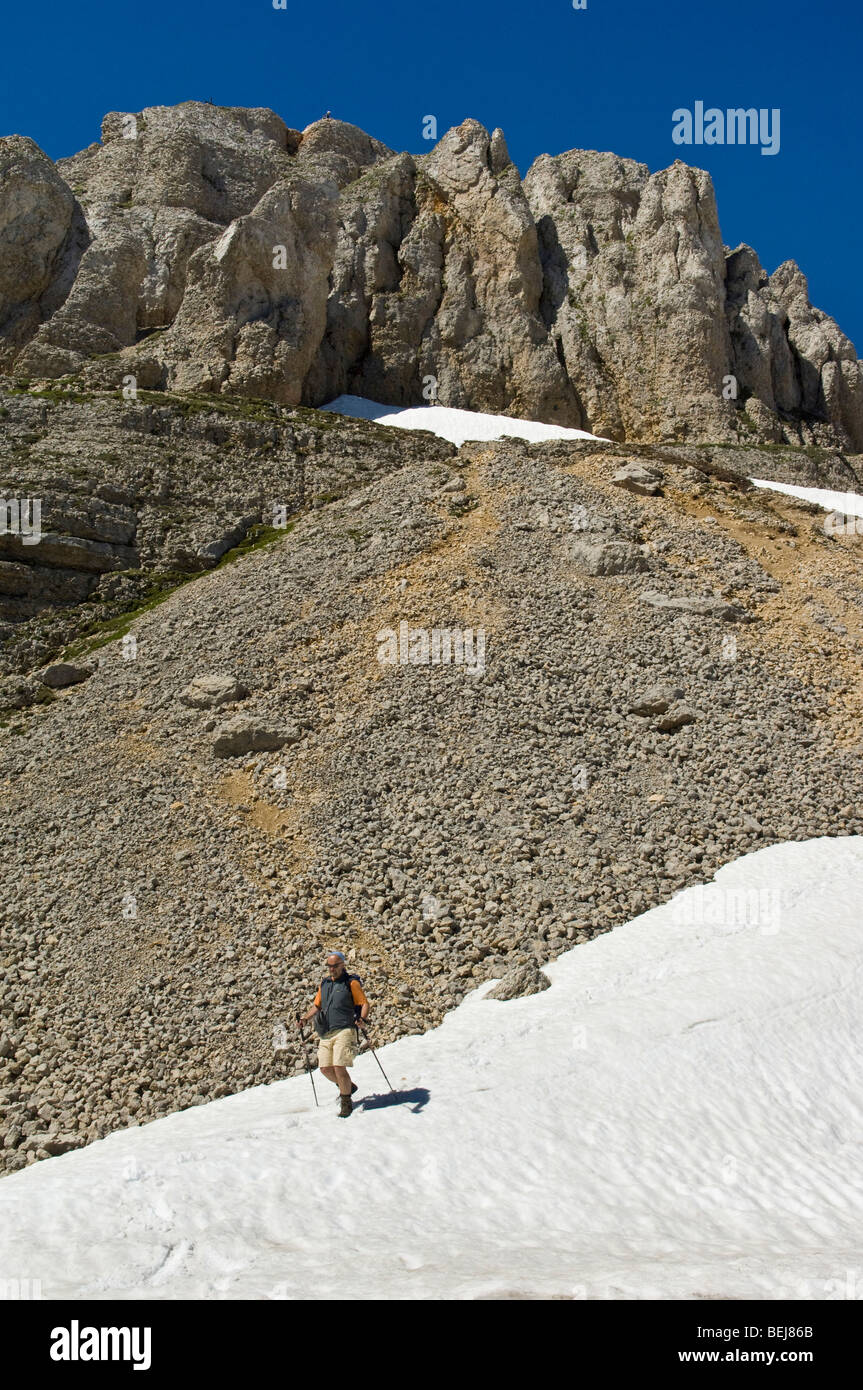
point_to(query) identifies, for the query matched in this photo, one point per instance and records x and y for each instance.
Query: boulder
(520, 980)
(63, 673)
(674, 718)
(62, 1144)
(210, 692)
(605, 557)
(245, 734)
(656, 700)
(708, 607)
(636, 477)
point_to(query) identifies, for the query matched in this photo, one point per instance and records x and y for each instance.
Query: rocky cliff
(136, 496)
(208, 249)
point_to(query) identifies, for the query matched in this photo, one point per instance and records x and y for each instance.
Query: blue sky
(554, 78)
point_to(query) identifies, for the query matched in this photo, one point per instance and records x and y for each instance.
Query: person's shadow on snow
(416, 1099)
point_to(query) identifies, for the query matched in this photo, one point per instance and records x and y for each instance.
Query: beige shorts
(338, 1048)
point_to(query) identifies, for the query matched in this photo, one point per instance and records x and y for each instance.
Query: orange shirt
(356, 994)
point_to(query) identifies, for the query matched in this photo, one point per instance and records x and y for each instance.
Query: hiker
(340, 1008)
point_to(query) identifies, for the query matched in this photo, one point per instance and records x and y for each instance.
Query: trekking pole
(378, 1060)
(306, 1060)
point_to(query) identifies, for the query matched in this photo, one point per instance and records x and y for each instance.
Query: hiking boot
(346, 1105)
(354, 1087)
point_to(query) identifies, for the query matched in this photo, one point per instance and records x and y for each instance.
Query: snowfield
(678, 1116)
(849, 503)
(458, 426)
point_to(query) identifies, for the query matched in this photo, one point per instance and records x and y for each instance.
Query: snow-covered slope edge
(848, 503)
(678, 1116)
(458, 426)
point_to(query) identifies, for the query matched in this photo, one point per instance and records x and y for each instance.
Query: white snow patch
(678, 1116)
(458, 426)
(851, 503)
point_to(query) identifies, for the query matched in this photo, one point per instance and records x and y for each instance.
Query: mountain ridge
(591, 293)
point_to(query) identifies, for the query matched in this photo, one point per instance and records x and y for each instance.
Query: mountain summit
(213, 249)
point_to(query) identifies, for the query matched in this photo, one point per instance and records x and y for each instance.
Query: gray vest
(337, 1004)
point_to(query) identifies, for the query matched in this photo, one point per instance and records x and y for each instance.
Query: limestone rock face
(215, 162)
(761, 353)
(634, 290)
(437, 276)
(41, 237)
(487, 345)
(337, 151)
(382, 294)
(788, 357)
(132, 494)
(255, 305)
(78, 540)
(203, 248)
(163, 182)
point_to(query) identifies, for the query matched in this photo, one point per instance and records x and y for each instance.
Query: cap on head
(335, 953)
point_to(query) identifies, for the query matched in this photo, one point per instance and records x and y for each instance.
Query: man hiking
(335, 1011)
